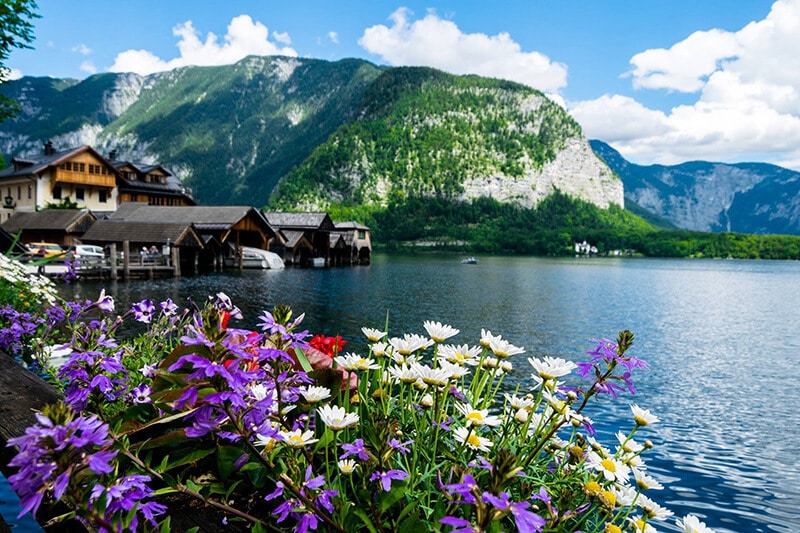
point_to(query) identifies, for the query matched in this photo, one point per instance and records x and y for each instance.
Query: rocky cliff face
(575, 171)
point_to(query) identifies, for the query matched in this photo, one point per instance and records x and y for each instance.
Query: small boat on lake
(255, 258)
(469, 261)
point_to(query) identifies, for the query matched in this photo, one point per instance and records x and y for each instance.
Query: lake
(722, 339)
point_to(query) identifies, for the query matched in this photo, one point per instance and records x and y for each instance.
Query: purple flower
(105, 302)
(527, 522)
(400, 446)
(168, 307)
(387, 477)
(464, 526)
(143, 311)
(141, 394)
(466, 489)
(357, 448)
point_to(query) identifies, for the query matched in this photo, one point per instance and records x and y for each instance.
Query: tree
(16, 31)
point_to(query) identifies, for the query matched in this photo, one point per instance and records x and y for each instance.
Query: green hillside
(421, 133)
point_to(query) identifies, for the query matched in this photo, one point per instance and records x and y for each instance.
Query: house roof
(69, 220)
(173, 186)
(117, 231)
(350, 225)
(293, 238)
(224, 216)
(316, 221)
(37, 164)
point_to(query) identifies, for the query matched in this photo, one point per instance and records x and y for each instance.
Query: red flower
(330, 346)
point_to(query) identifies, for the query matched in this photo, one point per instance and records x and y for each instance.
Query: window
(82, 167)
(80, 194)
(57, 192)
(362, 234)
(102, 196)
(68, 165)
(29, 192)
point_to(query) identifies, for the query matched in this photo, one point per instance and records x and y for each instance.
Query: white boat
(255, 258)
(469, 261)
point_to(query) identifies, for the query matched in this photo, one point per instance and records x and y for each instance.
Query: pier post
(112, 260)
(175, 256)
(126, 260)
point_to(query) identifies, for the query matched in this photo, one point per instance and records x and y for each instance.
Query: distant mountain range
(310, 134)
(739, 197)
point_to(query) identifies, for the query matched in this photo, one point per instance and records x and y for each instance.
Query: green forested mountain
(345, 132)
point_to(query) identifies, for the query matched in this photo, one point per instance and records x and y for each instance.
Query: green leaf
(387, 499)
(226, 459)
(365, 519)
(165, 525)
(412, 524)
(191, 457)
(303, 360)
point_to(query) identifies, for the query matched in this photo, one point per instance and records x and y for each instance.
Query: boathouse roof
(300, 221)
(118, 231)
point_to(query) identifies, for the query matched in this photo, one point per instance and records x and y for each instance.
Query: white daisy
(403, 373)
(644, 482)
(336, 418)
(351, 361)
(643, 417)
(627, 444)
(640, 526)
(379, 349)
(373, 335)
(612, 469)
(426, 401)
(487, 338)
(410, 343)
(551, 367)
(347, 466)
(517, 402)
(502, 348)
(692, 524)
(314, 394)
(298, 438)
(506, 366)
(651, 509)
(461, 355)
(454, 371)
(439, 332)
(431, 376)
(478, 417)
(472, 439)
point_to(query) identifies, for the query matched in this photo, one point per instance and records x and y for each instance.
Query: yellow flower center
(608, 499)
(475, 416)
(611, 528)
(593, 488)
(473, 440)
(609, 465)
(296, 440)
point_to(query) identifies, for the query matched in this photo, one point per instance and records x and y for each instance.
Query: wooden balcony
(84, 178)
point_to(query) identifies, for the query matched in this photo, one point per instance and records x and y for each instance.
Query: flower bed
(279, 430)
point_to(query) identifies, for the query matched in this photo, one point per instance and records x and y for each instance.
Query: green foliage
(16, 31)
(65, 203)
(552, 228)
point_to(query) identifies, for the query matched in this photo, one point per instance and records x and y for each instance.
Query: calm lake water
(722, 339)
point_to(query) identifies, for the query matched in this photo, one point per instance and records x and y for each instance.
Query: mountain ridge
(233, 132)
(751, 197)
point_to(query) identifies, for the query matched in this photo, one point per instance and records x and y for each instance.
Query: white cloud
(748, 97)
(82, 49)
(439, 43)
(244, 37)
(9, 74)
(88, 66)
(334, 37)
(282, 37)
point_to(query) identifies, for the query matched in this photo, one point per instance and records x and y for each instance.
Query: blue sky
(663, 81)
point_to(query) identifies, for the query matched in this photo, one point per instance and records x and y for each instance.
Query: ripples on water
(721, 338)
